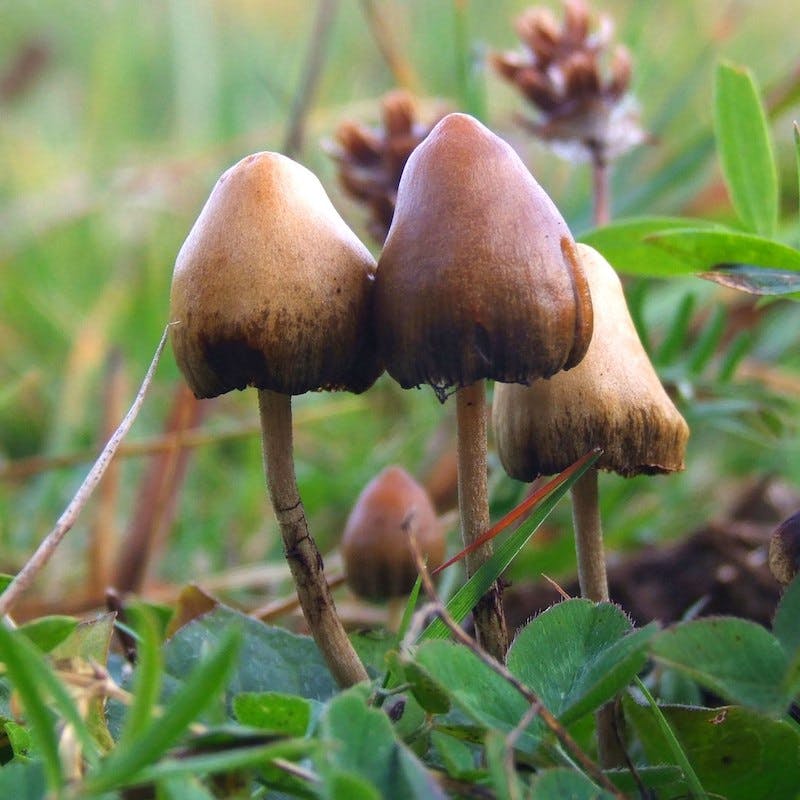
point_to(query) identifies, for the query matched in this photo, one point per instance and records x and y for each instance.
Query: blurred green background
(117, 116)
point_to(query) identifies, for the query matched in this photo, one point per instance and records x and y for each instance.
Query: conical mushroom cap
(375, 545)
(613, 399)
(271, 288)
(477, 278)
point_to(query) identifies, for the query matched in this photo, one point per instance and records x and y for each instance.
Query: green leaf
(47, 632)
(465, 599)
(183, 787)
(343, 785)
(457, 757)
(797, 149)
(23, 780)
(426, 691)
(271, 711)
(360, 740)
(577, 655)
(19, 738)
(200, 689)
(755, 280)
(625, 245)
(502, 774)
(734, 658)
(701, 249)
(785, 625)
(745, 149)
(271, 658)
(737, 753)
(561, 783)
(476, 689)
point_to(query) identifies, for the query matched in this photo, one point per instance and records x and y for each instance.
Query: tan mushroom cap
(613, 399)
(477, 278)
(271, 288)
(375, 547)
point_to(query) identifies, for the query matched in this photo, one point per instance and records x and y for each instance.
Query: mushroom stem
(473, 502)
(589, 538)
(305, 561)
(594, 585)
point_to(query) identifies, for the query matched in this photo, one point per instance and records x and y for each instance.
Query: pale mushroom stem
(473, 504)
(594, 585)
(301, 551)
(589, 538)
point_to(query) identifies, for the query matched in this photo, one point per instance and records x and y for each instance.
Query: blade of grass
(225, 761)
(465, 598)
(147, 680)
(22, 665)
(695, 787)
(161, 733)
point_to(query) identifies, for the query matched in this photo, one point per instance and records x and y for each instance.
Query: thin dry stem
(102, 533)
(555, 727)
(601, 189)
(401, 69)
(285, 605)
(473, 502)
(47, 548)
(301, 551)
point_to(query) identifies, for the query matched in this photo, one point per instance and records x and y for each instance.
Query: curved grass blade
(464, 600)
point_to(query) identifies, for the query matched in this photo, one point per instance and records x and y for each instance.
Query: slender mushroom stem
(594, 585)
(473, 503)
(589, 538)
(301, 551)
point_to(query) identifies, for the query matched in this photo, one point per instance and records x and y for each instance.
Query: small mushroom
(378, 561)
(784, 550)
(271, 289)
(613, 399)
(478, 279)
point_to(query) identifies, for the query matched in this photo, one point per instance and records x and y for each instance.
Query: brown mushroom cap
(784, 550)
(613, 399)
(477, 278)
(271, 288)
(375, 548)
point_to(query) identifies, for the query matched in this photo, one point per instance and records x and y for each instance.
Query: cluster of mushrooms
(479, 278)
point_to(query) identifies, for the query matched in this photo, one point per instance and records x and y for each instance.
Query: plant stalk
(601, 187)
(473, 504)
(305, 561)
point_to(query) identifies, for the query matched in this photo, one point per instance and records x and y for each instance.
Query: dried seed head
(375, 545)
(478, 277)
(613, 399)
(784, 550)
(584, 109)
(271, 288)
(371, 160)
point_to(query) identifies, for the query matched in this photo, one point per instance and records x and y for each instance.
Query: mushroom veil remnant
(478, 279)
(271, 289)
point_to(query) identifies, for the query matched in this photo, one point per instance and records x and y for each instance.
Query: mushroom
(378, 561)
(784, 550)
(271, 289)
(478, 279)
(613, 399)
